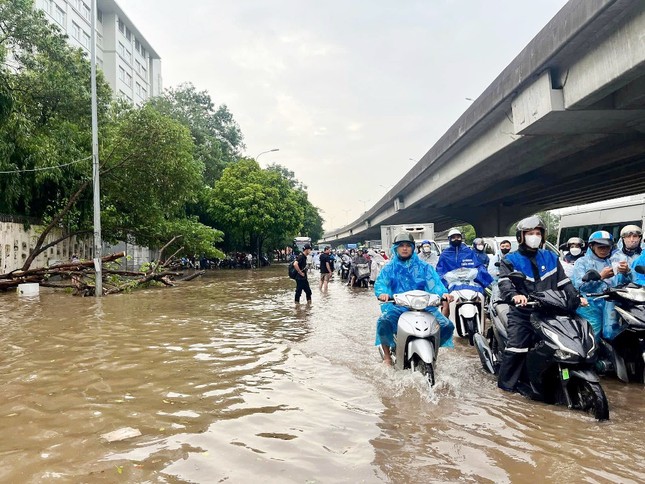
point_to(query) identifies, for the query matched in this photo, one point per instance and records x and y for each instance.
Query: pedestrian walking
(300, 265)
(326, 268)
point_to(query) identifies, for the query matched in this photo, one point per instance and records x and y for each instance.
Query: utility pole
(98, 244)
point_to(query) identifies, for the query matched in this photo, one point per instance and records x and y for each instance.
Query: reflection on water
(227, 380)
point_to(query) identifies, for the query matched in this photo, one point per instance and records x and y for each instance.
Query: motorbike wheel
(591, 399)
(424, 368)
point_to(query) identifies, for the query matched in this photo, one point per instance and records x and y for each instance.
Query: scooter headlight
(562, 355)
(553, 336)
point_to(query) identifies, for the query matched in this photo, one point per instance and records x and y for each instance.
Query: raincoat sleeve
(506, 287)
(621, 278)
(639, 278)
(484, 279)
(441, 266)
(382, 284)
(433, 283)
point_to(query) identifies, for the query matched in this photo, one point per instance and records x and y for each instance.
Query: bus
(611, 216)
(300, 242)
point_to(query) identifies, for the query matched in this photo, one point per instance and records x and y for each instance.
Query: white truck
(420, 232)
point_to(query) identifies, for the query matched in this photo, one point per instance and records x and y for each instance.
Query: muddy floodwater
(228, 381)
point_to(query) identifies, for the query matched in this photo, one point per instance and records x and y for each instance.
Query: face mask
(505, 251)
(455, 243)
(574, 251)
(480, 247)
(426, 248)
(533, 241)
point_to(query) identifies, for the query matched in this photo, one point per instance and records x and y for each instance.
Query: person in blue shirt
(613, 269)
(406, 272)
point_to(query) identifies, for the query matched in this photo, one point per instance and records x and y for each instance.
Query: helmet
(425, 242)
(576, 240)
(601, 237)
(404, 237)
(529, 223)
(629, 230)
(452, 232)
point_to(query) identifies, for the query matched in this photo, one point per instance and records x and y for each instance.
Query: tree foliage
(216, 135)
(256, 205)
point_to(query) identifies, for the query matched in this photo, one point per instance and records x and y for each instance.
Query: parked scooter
(467, 309)
(624, 354)
(417, 339)
(561, 364)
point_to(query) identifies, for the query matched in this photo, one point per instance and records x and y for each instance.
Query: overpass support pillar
(489, 221)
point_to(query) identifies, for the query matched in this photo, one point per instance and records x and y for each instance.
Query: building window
(49, 6)
(128, 80)
(128, 34)
(99, 40)
(60, 16)
(87, 13)
(76, 31)
(78, 4)
(122, 74)
(143, 52)
(137, 45)
(99, 15)
(121, 26)
(86, 40)
(122, 50)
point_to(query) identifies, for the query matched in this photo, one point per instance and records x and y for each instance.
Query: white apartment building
(130, 65)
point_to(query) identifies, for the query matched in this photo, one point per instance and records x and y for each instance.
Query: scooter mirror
(640, 269)
(591, 275)
(497, 264)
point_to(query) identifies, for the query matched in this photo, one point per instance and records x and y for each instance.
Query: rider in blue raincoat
(457, 255)
(406, 272)
(601, 257)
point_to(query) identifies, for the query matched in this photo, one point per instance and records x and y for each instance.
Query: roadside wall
(16, 242)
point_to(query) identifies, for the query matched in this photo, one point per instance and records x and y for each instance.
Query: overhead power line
(44, 168)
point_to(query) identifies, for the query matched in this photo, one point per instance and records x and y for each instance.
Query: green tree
(255, 206)
(44, 112)
(312, 224)
(216, 135)
(148, 174)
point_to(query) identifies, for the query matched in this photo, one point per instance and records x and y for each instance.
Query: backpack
(292, 270)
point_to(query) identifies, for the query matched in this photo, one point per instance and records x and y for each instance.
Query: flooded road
(228, 381)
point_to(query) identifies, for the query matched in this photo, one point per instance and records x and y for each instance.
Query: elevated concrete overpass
(563, 124)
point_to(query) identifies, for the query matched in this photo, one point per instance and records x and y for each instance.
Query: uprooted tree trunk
(81, 277)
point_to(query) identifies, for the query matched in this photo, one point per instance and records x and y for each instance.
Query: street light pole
(267, 151)
(98, 244)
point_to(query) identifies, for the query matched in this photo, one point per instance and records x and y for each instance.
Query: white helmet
(630, 230)
(452, 232)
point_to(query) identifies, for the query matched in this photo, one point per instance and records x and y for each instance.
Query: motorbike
(466, 310)
(560, 365)
(624, 354)
(417, 339)
(362, 275)
(344, 269)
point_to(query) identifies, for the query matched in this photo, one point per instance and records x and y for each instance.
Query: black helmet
(404, 237)
(529, 223)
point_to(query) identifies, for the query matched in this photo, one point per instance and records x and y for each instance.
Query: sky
(351, 92)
